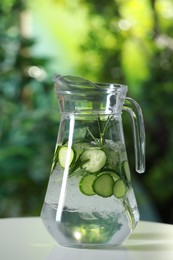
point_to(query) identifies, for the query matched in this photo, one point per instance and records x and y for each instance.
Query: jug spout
(64, 82)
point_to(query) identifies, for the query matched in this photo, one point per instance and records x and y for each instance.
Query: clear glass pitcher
(90, 200)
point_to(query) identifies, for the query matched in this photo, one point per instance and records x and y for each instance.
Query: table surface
(27, 239)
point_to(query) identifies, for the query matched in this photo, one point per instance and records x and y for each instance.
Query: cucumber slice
(86, 184)
(80, 147)
(103, 185)
(119, 189)
(96, 160)
(114, 175)
(62, 156)
(127, 170)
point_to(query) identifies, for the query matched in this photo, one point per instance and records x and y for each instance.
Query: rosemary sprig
(78, 164)
(55, 158)
(102, 132)
(89, 131)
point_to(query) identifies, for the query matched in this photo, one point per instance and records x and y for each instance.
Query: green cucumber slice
(114, 175)
(86, 183)
(103, 185)
(119, 189)
(127, 170)
(62, 156)
(80, 147)
(96, 160)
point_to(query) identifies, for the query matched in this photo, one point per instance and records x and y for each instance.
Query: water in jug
(90, 201)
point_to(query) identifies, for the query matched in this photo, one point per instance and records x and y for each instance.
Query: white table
(27, 239)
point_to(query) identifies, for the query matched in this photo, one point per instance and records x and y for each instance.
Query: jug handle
(133, 108)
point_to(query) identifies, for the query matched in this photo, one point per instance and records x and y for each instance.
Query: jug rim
(112, 86)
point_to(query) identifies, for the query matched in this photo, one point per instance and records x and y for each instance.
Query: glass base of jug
(84, 230)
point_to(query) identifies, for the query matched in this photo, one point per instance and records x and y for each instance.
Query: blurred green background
(122, 41)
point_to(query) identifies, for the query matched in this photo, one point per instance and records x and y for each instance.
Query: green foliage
(157, 99)
(28, 122)
(140, 56)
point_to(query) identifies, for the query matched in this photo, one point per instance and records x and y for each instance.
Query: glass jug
(90, 202)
